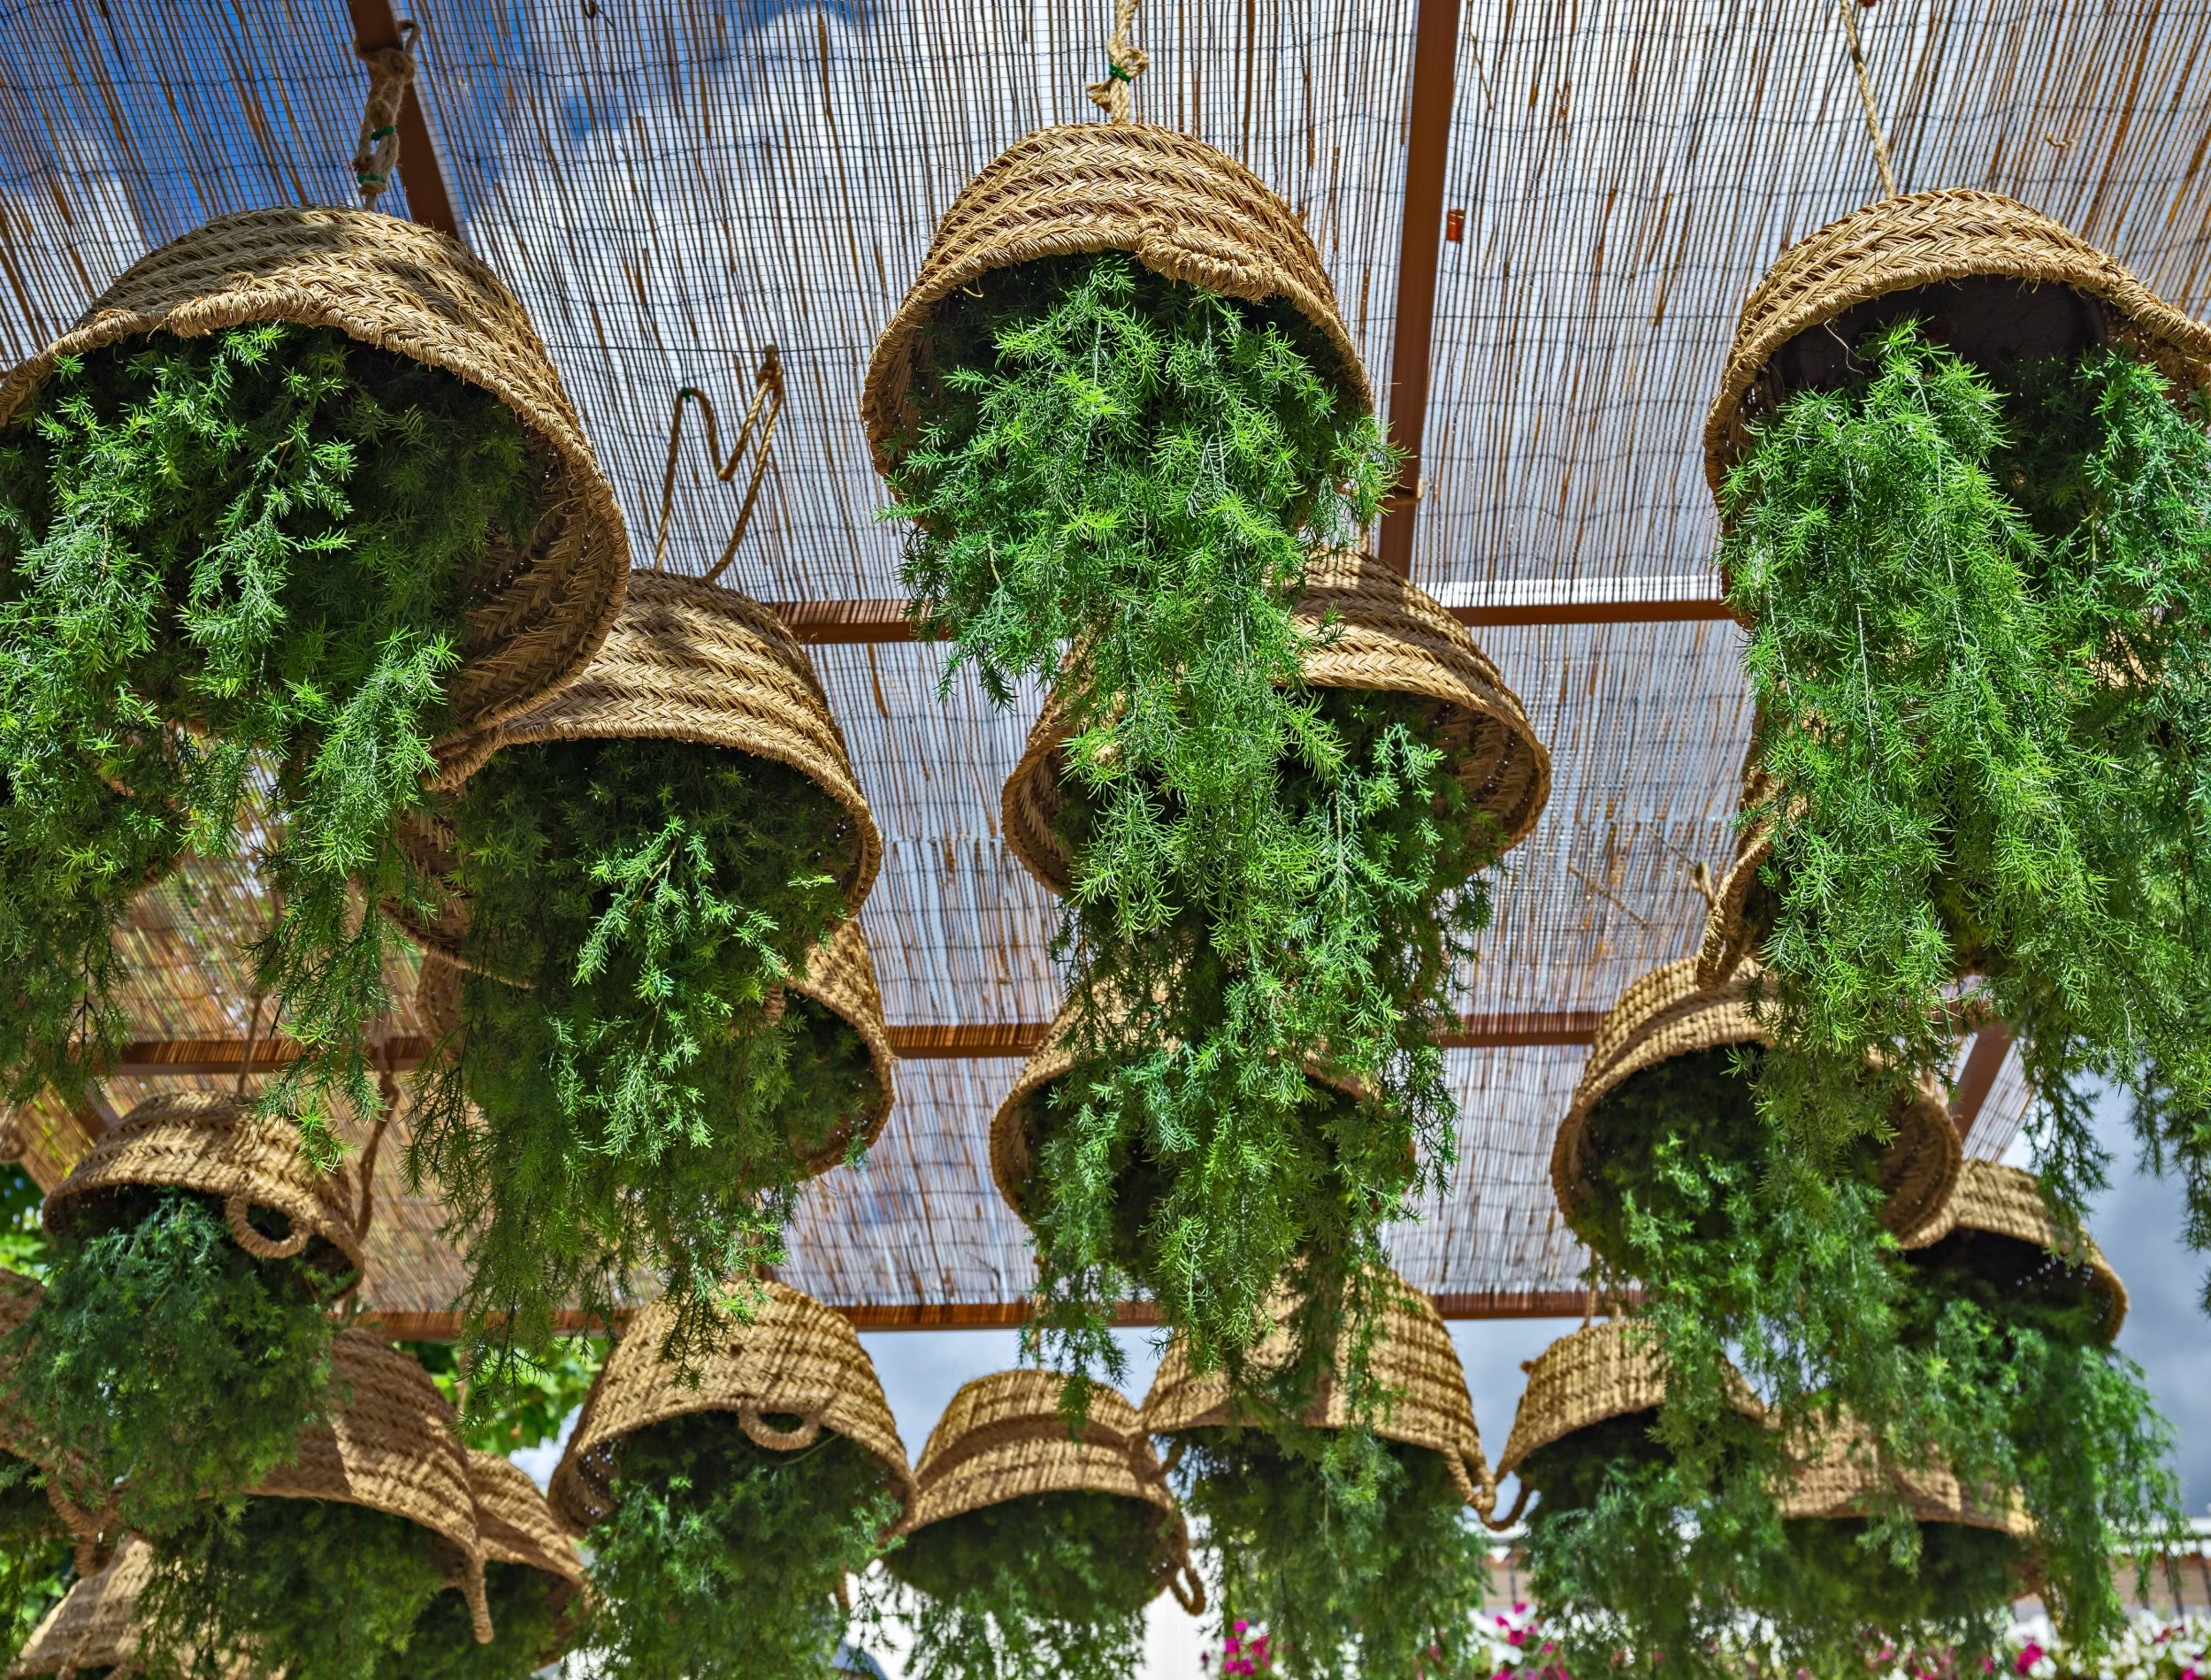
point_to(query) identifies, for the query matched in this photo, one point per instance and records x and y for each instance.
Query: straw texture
(518, 1527)
(841, 977)
(391, 1444)
(796, 1358)
(1843, 1480)
(1922, 240)
(1003, 1438)
(1413, 1359)
(1381, 634)
(91, 1627)
(1601, 1370)
(1666, 1013)
(538, 612)
(211, 1142)
(1176, 204)
(2006, 1201)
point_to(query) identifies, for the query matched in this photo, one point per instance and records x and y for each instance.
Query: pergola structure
(1540, 217)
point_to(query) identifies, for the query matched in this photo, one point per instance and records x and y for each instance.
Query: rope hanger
(1125, 62)
(758, 432)
(391, 72)
(1865, 95)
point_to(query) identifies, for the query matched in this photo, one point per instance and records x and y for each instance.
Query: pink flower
(2029, 1654)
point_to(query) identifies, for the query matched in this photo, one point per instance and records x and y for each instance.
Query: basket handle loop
(752, 1419)
(252, 1242)
(1189, 1592)
(1125, 62)
(1497, 1524)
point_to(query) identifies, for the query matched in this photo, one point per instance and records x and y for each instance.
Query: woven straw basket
(1003, 1438)
(517, 1527)
(538, 614)
(2053, 293)
(796, 1358)
(1389, 637)
(1841, 1480)
(1601, 1371)
(1666, 1014)
(1413, 1361)
(1176, 204)
(2006, 1201)
(90, 1629)
(391, 1444)
(211, 1142)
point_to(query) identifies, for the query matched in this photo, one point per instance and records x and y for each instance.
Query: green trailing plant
(176, 1364)
(643, 1102)
(227, 558)
(37, 1553)
(23, 1246)
(1357, 1554)
(1114, 484)
(527, 1411)
(725, 1560)
(1034, 1588)
(1980, 610)
(313, 1588)
(526, 1631)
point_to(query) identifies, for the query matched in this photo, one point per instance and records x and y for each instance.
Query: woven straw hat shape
(1609, 1368)
(2006, 1201)
(1391, 638)
(211, 1142)
(412, 291)
(1665, 1015)
(90, 1629)
(391, 1444)
(1928, 239)
(1413, 1359)
(1176, 204)
(1842, 1480)
(796, 1358)
(1003, 1438)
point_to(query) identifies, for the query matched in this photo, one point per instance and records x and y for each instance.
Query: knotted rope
(391, 72)
(1865, 96)
(758, 432)
(1126, 62)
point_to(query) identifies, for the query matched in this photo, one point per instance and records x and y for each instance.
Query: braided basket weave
(519, 1528)
(841, 977)
(1003, 1438)
(391, 1444)
(1176, 204)
(1601, 1371)
(537, 614)
(1413, 1361)
(1666, 1013)
(2052, 292)
(90, 1629)
(2006, 1201)
(796, 1358)
(1389, 637)
(210, 1142)
(1841, 1480)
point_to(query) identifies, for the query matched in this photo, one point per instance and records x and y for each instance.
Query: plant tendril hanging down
(1116, 485)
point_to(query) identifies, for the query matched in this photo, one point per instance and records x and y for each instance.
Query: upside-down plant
(1032, 1588)
(1115, 484)
(634, 1090)
(37, 1552)
(726, 1561)
(175, 1364)
(1982, 657)
(222, 558)
(1357, 1555)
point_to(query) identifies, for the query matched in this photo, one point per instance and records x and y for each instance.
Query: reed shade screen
(1606, 1369)
(1935, 253)
(210, 1141)
(1003, 1438)
(2005, 1202)
(796, 1358)
(1414, 1363)
(1380, 633)
(393, 1445)
(535, 615)
(90, 1629)
(518, 1526)
(1667, 1014)
(1176, 204)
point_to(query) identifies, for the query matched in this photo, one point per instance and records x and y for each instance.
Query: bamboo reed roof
(673, 188)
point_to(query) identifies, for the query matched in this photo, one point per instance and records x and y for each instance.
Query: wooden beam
(216, 1058)
(1978, 1078)
(421, 170)
(1428, 150)
(853, 624)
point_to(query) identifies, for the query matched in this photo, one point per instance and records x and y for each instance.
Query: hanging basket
(90, 1630)
(537, 614)
(1991, 278)
(796, 1358)
(1841, 1481)
(686, 661)
(1389, 636)
(210, 1142)
(1179, 207)
(1004, 1438)
(1600, 1371)
(841, 977)
(1414, 1362)
(519, 1528)
(2005, 1202)
(1667, 1014)
(1743, 907)
(392, 1444)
